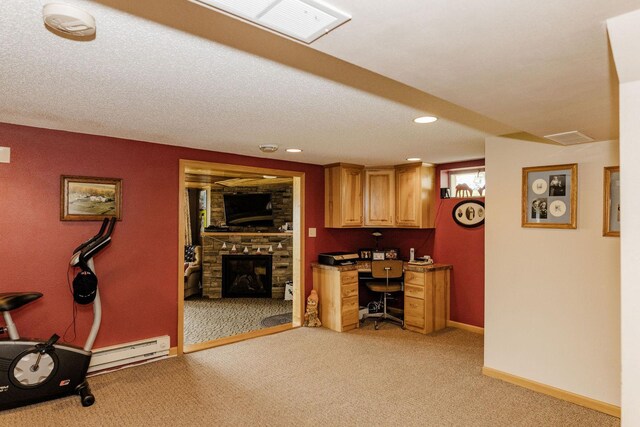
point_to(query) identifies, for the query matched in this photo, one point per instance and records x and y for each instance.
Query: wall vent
(304, 20)
(569, 138)
(124, 354)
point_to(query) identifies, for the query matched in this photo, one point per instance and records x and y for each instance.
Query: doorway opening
(250, 220)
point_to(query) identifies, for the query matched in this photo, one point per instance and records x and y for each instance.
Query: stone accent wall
(281, 204)
(212, 252)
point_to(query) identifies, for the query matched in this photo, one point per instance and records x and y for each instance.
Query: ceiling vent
(304, 20)
(569, 138)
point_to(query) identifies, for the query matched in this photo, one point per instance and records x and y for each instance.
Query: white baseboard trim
(466, 327)
(587, 402)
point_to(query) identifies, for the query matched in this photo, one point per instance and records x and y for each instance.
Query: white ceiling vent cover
(304, 20)
(569, 138)
(69, 19)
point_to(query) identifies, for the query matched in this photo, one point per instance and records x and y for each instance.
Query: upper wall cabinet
(343, 195)
(415, 196)
(379, 197)
(402, 196)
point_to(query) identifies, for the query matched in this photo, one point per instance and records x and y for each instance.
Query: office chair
(388, 269)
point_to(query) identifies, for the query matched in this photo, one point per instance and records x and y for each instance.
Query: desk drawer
(349, 277)
(414, 291)
(414, 311)
(414, 278)
(349, 290)
(349, 310)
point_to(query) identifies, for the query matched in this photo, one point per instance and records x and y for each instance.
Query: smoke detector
(69, 19)
(268, 148)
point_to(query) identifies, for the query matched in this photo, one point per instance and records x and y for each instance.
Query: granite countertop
(364, 265)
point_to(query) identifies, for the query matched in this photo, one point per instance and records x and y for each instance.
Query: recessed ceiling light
(425, 119)
(294, 150)
(413, 159)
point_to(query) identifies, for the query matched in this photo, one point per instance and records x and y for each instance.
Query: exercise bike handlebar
(103, 227)
(94, 245)
(91, 250)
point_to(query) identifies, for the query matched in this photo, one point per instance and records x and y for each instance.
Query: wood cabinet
(379, 197)
(403, 196)
(338, 294)
(415, 195)
(343, 205)
(426, 298)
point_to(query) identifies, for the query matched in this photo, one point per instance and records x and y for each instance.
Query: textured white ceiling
(539, 65)
(149, 76)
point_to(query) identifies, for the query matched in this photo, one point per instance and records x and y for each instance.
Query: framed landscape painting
(550, 196)
(84, 198)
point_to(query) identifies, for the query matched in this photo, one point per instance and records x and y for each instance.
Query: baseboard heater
(134, 352)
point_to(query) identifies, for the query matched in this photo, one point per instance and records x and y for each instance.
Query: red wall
(464, 249)
(138, 272)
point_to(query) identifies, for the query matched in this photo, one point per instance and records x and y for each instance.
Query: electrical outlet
(312, 232)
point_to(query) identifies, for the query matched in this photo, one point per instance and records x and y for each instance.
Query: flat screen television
(248, 210)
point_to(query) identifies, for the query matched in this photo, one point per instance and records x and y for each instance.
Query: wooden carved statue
(311, 318)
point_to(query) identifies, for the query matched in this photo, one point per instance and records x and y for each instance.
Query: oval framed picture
(469, 213)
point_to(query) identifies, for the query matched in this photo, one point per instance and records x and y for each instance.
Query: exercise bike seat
(12, 300)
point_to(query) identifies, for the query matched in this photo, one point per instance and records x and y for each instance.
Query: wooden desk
(426, 296)
(337, 288)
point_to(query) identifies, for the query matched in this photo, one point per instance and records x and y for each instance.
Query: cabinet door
(379, 197)
(351, 196)
(408, 203)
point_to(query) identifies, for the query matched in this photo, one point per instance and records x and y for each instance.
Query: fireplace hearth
(246, 276)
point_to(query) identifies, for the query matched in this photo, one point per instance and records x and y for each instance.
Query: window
(467, 183)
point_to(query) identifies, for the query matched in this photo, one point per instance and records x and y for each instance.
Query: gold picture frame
(550, 196)
(85, 198)
(611, 205)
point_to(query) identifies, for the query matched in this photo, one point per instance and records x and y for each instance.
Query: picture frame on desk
(377, 255)
(365, 253)
(392, 253)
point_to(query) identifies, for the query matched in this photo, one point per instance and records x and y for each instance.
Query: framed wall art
(611, 214)
(550, 196)
(469, 213)
(84, 198)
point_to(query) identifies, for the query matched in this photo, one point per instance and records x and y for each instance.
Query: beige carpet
(208, 319)
(316, 377)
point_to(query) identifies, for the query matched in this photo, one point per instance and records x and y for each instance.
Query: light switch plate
(5, 155)
(312, 232)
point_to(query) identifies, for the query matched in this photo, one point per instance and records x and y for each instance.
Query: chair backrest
(391, 268)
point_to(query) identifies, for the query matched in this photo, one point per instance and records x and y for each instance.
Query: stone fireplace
(213, 254)
(247, 276)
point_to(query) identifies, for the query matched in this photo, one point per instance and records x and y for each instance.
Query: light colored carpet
(209, 319)
(316, 377)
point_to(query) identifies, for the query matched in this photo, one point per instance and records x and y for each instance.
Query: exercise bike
(33, 370)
